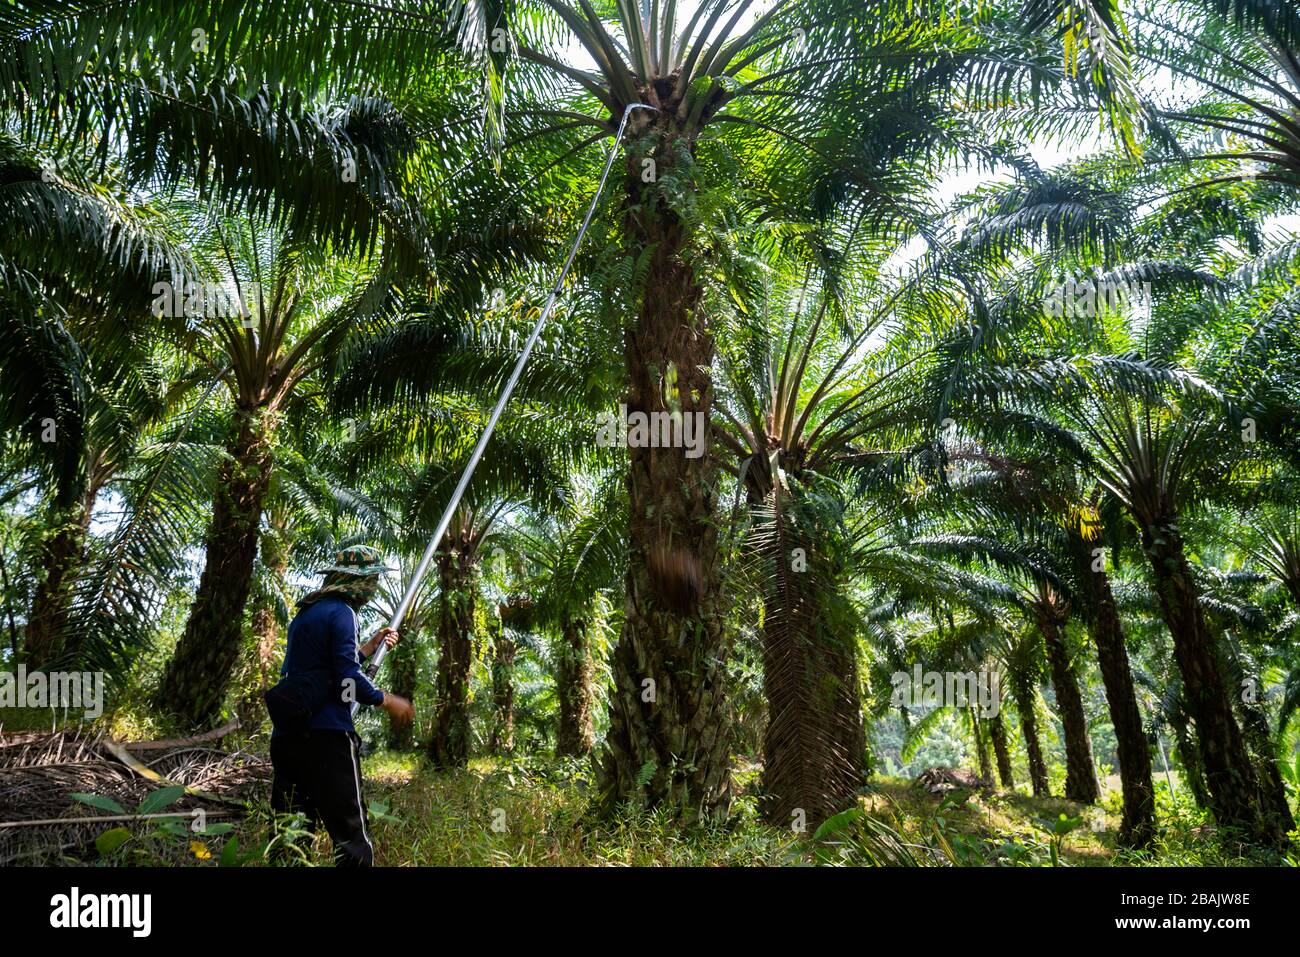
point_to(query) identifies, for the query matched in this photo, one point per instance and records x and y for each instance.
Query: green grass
(526, 813)
(537, 814)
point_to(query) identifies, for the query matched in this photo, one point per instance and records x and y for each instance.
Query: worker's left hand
(387, 635)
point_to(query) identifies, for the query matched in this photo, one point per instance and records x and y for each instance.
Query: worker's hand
(388, 636)
(398, 708)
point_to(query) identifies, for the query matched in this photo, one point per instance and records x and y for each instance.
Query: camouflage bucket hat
(357, 560)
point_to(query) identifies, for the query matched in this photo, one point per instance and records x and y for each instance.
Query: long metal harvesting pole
(372, 667)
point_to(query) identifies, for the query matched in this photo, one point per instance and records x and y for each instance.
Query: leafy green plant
(378, 811)
(168, 828)
(1057, 829)
(856, 837)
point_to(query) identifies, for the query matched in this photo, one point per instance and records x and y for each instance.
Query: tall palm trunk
(503, 689)
(1254, 726)
(265, 633)
(980, 734)
(195, 680)
(1137, 827)
(61, 557)
(449, 746)
(1190, 757)
(814, 743)
(998, 735)
(669, 726)
(403, 679)
(1236, 798)
(573, 686)
(1080, 774)
(1022, 689)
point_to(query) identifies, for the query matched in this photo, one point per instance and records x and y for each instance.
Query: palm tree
(1020, 493)
(1052, 613)
(1239, 58)
(82, 381)
(1020, 654)
(998, 737)
(299, 169)
(1055, 544)
(1044, 597)
(1269, 531)
(799, 104)
(419, 389)
(1152, 433)
(283, 332)
(309, 513)
(403, 532)
(802, 401)
(457, 563)
(1097, 599)
(309, 305)
(1149, 447)
(966, 629)
(576, 561)
(406, 661)
(117, 415)
(504, 650)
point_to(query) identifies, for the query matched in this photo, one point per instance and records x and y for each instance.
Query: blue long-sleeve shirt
(323, 637)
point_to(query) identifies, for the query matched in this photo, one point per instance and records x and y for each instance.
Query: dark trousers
(318, 773)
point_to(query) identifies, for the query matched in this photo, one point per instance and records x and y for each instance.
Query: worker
(316, 760)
